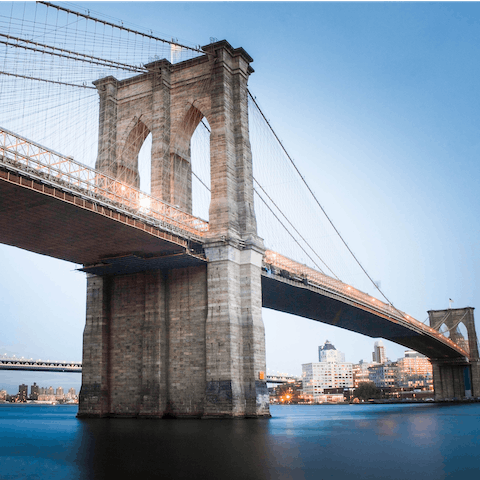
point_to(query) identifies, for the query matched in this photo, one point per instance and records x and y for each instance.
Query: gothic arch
(459, 335)
(443, 329)
(171, 99)
(127, 166)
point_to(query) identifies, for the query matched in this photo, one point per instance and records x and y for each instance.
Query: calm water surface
(423, 442)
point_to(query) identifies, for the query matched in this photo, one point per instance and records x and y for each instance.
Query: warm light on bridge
(301, 273)
(34, 160)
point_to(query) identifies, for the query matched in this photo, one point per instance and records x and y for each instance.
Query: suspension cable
(47, 81)
(293, 226)
(121, 27)
(316, 200)
(279, 221)
(81, 57)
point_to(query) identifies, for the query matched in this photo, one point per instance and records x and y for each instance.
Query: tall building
(23, 391)
(34, 391)
(378, 354)
(328, 353)
(331, 372)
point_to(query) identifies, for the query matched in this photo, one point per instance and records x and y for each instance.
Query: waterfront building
(47, 398)
(384, 375)
(415, 371)
(71, 396)
(361, 373)
(414, 363)
(327, 374)
(23, 392)
(34, 391)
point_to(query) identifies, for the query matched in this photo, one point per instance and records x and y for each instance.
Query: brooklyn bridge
(174, 301)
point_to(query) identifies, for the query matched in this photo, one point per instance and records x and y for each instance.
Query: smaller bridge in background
(25, 364)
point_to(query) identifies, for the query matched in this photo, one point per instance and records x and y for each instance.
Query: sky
(378, 104)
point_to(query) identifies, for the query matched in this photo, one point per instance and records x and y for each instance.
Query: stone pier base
(176, 343)
(456, 380)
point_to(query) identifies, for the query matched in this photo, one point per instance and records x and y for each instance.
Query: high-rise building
(378, 354)
(331, 372)
(34, 391)
(23, 391)
(328, 353)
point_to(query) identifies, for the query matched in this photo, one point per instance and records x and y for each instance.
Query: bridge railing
(297, 271)
(64, 171)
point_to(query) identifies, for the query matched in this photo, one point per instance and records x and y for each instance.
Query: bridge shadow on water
(427, 441)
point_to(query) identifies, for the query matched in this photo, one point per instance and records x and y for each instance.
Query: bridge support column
(459, 378)
(452, 380)
(235, 345)
(144, 344)
(187, 342)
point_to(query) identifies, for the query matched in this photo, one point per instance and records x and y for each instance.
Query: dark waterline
(428, 441)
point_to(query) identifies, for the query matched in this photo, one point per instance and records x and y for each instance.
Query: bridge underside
(49, 221)
(307, 301)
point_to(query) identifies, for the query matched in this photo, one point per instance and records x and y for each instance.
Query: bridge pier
(186, 342)
(452, 380)
(181, 342)
(456, 378)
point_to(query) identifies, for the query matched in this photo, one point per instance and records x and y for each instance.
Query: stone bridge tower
(461, 378)
(184, 341)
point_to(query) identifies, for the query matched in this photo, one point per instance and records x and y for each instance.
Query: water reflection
(173, 449)
(310, 442)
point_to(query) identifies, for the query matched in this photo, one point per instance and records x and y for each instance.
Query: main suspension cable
(315, 198)
(121, 27)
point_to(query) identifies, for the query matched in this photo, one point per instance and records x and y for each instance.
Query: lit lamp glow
(145, 203)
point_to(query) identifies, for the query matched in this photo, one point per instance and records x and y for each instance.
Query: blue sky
(378, 104)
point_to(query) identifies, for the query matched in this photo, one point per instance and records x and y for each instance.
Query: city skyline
(385, 129)
(74, 379)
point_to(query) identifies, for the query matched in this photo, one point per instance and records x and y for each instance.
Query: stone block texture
(188, 341)
(451, 378)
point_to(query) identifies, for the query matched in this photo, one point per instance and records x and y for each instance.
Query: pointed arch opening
(145, 165)
(200, 161)
(127, 167)
(444, 330)
(460, 336)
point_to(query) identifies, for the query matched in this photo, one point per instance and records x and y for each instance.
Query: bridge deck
(311, 301)
(49, 204)
(50, 221)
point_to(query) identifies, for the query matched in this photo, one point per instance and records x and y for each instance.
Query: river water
(424, 441)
